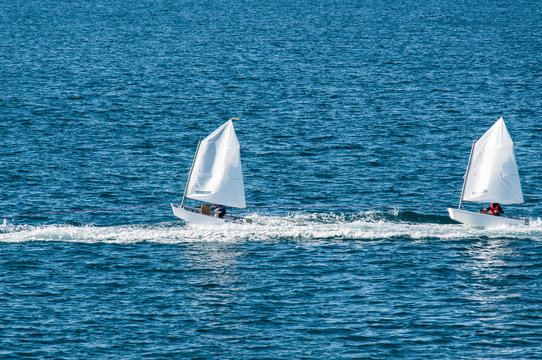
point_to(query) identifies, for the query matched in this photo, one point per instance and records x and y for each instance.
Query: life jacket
(494, 209)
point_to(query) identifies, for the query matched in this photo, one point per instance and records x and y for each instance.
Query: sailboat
(491, 177)
(216, 177)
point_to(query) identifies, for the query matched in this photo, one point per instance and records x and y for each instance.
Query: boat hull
(194, 215)
(484, 220)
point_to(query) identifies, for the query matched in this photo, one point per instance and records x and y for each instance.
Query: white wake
(313, 227)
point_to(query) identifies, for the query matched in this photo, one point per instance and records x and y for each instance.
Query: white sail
(217, 176)
(493, 173)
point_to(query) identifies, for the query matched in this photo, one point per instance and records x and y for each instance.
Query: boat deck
(198, 217)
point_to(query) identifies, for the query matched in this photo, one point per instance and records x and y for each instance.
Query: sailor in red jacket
(495, 209)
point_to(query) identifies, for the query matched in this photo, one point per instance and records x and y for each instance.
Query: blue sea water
(356, 121)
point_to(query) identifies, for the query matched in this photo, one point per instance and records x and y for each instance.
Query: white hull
(194, 215)
(483, 220)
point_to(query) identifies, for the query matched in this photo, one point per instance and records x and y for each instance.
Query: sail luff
(190, 172)
(466, 176)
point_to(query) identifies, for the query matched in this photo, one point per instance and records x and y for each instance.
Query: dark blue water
(356, 120)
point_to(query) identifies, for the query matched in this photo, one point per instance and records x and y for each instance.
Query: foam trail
(297, 227)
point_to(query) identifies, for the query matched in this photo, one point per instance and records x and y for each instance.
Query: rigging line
(85, 210)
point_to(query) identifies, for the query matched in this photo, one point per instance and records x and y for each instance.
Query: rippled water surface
(356, 121)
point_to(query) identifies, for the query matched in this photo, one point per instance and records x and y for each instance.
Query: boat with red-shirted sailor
(491, 177)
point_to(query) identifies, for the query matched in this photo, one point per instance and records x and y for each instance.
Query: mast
(190, 173)
(466, 174)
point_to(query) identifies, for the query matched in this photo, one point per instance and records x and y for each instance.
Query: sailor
(495, 209)
(220, 211)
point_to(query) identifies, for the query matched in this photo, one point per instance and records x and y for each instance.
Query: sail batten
(217, 175)
(493, 174)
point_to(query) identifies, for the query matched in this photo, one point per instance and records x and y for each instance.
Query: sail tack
(217, 176)
(493, 174)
